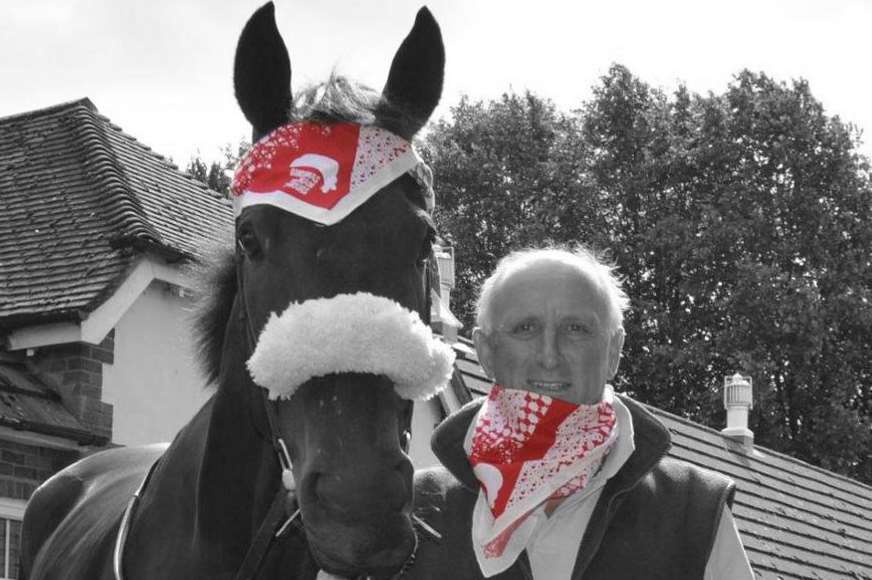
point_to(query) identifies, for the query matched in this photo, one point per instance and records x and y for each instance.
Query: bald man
(555, 475)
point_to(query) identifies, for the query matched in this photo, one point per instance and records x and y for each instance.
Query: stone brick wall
(76, 369)
(24, 467)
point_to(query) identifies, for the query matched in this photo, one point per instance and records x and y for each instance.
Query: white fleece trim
(350, 333)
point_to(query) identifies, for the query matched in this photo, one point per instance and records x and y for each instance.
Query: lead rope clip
(287, 468)
(288, 482)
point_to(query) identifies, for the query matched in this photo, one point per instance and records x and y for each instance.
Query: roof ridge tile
(121, 207)
(82, 102)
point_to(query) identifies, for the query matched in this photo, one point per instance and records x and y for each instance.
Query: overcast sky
(161, 69)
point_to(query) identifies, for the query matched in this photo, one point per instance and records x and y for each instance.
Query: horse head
(346, 427)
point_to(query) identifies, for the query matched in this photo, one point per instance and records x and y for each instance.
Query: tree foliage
(508, 175)
(742, 223)
(217, 174)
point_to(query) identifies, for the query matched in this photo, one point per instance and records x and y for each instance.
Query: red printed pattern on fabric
(309, 161)
(376, 149)
(318, 164)
(523, 440)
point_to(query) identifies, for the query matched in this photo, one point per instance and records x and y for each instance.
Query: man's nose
(549, 351)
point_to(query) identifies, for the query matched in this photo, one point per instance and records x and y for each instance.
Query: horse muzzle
(353, 552)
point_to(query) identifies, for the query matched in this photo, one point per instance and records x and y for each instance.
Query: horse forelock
(215, 283)
(343, 100)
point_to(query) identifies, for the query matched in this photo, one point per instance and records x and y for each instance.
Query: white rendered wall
(154, 385)
(427, 415)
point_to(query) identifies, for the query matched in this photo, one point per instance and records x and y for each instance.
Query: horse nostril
(330, 493)
(354, 494)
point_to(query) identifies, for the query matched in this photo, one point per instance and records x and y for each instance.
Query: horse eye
(248, 243)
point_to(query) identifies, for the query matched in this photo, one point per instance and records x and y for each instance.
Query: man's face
(550, 334)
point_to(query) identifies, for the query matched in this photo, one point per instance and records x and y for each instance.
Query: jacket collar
(651, 438)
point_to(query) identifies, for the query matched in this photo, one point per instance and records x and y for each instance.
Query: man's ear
(616, 344)
(484, 350)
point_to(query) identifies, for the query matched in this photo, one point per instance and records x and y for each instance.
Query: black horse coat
(656, 518)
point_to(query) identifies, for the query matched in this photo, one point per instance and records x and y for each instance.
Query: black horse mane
(215, 288)
(339, 99)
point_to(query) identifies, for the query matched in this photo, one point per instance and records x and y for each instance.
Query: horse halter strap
(273, 526)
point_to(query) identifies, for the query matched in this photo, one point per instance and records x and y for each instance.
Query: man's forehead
(532, 287)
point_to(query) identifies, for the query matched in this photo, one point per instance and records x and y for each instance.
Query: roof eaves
(15, 321)
(169, 253)
(30, 384)
(80, 436)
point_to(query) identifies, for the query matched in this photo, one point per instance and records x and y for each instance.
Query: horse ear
(262, 73)
(414, 83)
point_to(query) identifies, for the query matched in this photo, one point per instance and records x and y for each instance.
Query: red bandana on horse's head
(323, 172)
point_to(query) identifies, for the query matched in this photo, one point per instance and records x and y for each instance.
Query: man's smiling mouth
(550, 386)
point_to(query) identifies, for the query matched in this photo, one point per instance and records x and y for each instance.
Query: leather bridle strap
(268, 532)
(275, 524)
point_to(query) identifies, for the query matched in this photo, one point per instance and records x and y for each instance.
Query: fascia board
(105, 317)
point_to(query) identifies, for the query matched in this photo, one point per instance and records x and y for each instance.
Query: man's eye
(524, 328)
(577, 328)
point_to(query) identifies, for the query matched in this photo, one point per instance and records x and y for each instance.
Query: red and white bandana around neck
(528, 448)
(323, 172)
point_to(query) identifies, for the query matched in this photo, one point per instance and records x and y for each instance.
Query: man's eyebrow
(515, 320)
(588, 316)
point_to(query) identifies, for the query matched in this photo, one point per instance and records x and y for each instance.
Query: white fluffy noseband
(359, 333)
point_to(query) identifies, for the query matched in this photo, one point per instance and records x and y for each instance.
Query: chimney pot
(441, 316)
(738, 400)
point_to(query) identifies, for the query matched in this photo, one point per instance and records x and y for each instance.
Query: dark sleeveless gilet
(655, 519)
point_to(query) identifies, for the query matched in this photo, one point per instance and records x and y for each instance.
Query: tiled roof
(26, 403)
(78, 199)
(797, 521)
